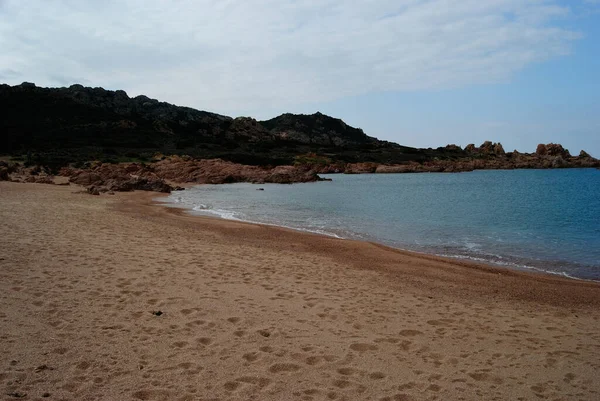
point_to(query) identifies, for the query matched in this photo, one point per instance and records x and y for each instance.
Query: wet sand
(259, 312)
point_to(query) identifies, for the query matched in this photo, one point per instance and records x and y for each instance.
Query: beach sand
(264, 313)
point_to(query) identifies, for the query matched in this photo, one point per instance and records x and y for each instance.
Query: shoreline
(512, 266)
(120, 297)
(153, 200)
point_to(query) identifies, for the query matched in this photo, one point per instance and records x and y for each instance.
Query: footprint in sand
(362, 347)
(377, 376)
(264, 333)
(204, 341)
(410, 333)
(250, 356)
(346, 371)
(284, 367)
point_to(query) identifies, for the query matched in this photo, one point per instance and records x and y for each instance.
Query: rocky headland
(106, 141)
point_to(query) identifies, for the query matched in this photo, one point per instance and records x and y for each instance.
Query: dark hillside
(59, 125)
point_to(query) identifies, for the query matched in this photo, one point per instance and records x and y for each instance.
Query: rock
(44, 179)
(499, 149)
(541, 150)
(4, 173)
(552, 149)
(360, 168)
(117, 178)
(157, 313)
(558, 162)
(43, 367)
(487, 147)
(585, 154)
(217, 171)
(93, 190)
(555, 149)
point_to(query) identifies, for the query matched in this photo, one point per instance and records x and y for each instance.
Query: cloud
(8, 74)
(247, 54)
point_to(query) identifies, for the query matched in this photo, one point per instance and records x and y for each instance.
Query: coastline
(253, 311)
(497, 239)
(319, 243)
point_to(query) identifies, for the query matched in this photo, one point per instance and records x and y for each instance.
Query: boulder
(499, 149)
(555, 149)
(541, 150)
(558, 162)
(487, 147)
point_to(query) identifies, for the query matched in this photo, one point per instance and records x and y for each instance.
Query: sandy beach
(120, 298)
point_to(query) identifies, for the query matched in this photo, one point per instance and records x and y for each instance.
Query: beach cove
(118, 297)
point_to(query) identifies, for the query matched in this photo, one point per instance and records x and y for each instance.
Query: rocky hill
(56, 127)
(59, 125)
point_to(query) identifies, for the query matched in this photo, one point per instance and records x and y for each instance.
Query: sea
(537, 220)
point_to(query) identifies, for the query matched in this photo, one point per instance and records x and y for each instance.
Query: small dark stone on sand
(17, 394)
(43, 367)
(46, 395)
(157, 313)
(260, 189)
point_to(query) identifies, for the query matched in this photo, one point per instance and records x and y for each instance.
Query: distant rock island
(69, 128)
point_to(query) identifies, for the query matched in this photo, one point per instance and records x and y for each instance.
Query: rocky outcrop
(4, 171)
(4, 174)
(487, 148)
(360, 168)
(16, 172)
(56, 127)
(102, 177)
(116, 178)
(217, 171)
(488, 156)
(552, 149)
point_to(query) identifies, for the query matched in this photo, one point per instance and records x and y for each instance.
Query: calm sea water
(547, 220)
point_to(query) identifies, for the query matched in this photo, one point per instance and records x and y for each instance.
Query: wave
(236, 216)
(466, 249)
(513, 265)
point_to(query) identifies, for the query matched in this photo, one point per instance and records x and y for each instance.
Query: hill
(60, 125)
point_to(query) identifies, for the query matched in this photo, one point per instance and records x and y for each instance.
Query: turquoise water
(547, 220)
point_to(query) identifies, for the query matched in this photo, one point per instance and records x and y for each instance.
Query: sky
(422, 73)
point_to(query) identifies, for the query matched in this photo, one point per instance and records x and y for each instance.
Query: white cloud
(247, 54)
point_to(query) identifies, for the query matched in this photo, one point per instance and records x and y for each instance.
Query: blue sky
(418, 72)
(557, 100)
